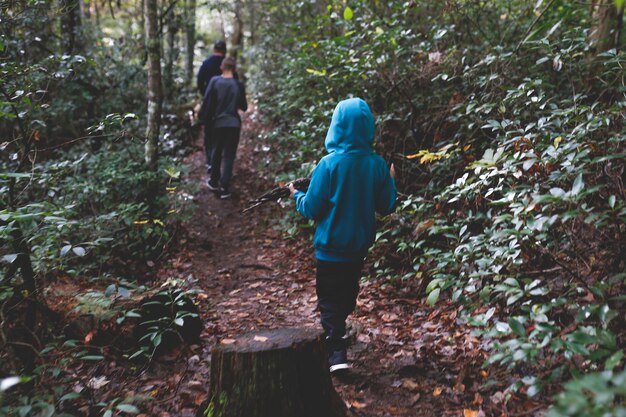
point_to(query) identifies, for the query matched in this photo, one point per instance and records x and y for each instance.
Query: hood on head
(351, 128)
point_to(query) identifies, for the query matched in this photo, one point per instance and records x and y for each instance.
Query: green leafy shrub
(508, 133)
(598, 394)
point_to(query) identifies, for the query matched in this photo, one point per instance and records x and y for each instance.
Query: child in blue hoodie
(348, 186)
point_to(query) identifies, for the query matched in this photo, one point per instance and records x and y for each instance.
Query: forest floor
(408, 359)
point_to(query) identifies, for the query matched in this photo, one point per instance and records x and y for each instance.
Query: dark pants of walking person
(337, 287)
(207, 144)
(224, 149)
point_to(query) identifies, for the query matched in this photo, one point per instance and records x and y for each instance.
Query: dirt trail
(252, 277)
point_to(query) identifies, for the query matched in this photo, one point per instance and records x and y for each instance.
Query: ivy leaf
(173, 173)
(79, 251)
(123, 292)
(614, 360)
(65, 249)
(557, 192)
(109, 290)
(433, 297)
(348, 13)
(12, 257)
(578, 185)
(127, 408)
(92, 357)
(517, 327)
(69, 396)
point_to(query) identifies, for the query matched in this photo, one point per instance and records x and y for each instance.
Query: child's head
(351, 128)
(229, 64)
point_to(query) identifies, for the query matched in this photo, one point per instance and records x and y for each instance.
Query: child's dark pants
(337, 286)
(208, 145)
(224, 145)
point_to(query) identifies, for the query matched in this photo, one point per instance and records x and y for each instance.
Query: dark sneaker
(224, 193)
(211, 186)
(338, 361)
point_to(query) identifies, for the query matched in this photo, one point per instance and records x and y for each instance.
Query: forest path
(253, 277)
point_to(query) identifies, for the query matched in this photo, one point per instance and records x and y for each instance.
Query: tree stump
(272, 373)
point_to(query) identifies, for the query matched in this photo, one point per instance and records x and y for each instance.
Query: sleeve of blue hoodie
(315, 202)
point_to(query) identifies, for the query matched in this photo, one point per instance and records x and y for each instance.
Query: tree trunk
(95, 11)
(153, 50)
(620, 25)
(253, 23)
(236, 40)
(85, 9)
(190, 34)
(171, 53)
(222, 28)
(70, 24)
(272, 373)
(604, 33)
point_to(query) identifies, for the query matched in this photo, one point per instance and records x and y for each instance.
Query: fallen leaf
(363, 338)
(478, 399)
(388, 331)
(228, 341)
(497, 398)
(387, 317)
(410, 384)
(260, 338)
(357, 404)
(470, 413)
(97, 382)
(89, 336)
(437, 391)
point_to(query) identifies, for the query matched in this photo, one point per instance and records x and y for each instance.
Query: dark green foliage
(92, 210)
(165, 320)
(75, 197)
(508, 132)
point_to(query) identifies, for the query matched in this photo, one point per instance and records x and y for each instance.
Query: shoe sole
(225, 196)
(339, 367)
(211, 187)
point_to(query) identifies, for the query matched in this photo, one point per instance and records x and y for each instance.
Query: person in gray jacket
(223, 98)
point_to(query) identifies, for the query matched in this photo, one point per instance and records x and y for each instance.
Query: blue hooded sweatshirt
(347, 187)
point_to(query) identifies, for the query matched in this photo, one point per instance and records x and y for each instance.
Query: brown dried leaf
(357, 405)
(410, 384)
(478, 399)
